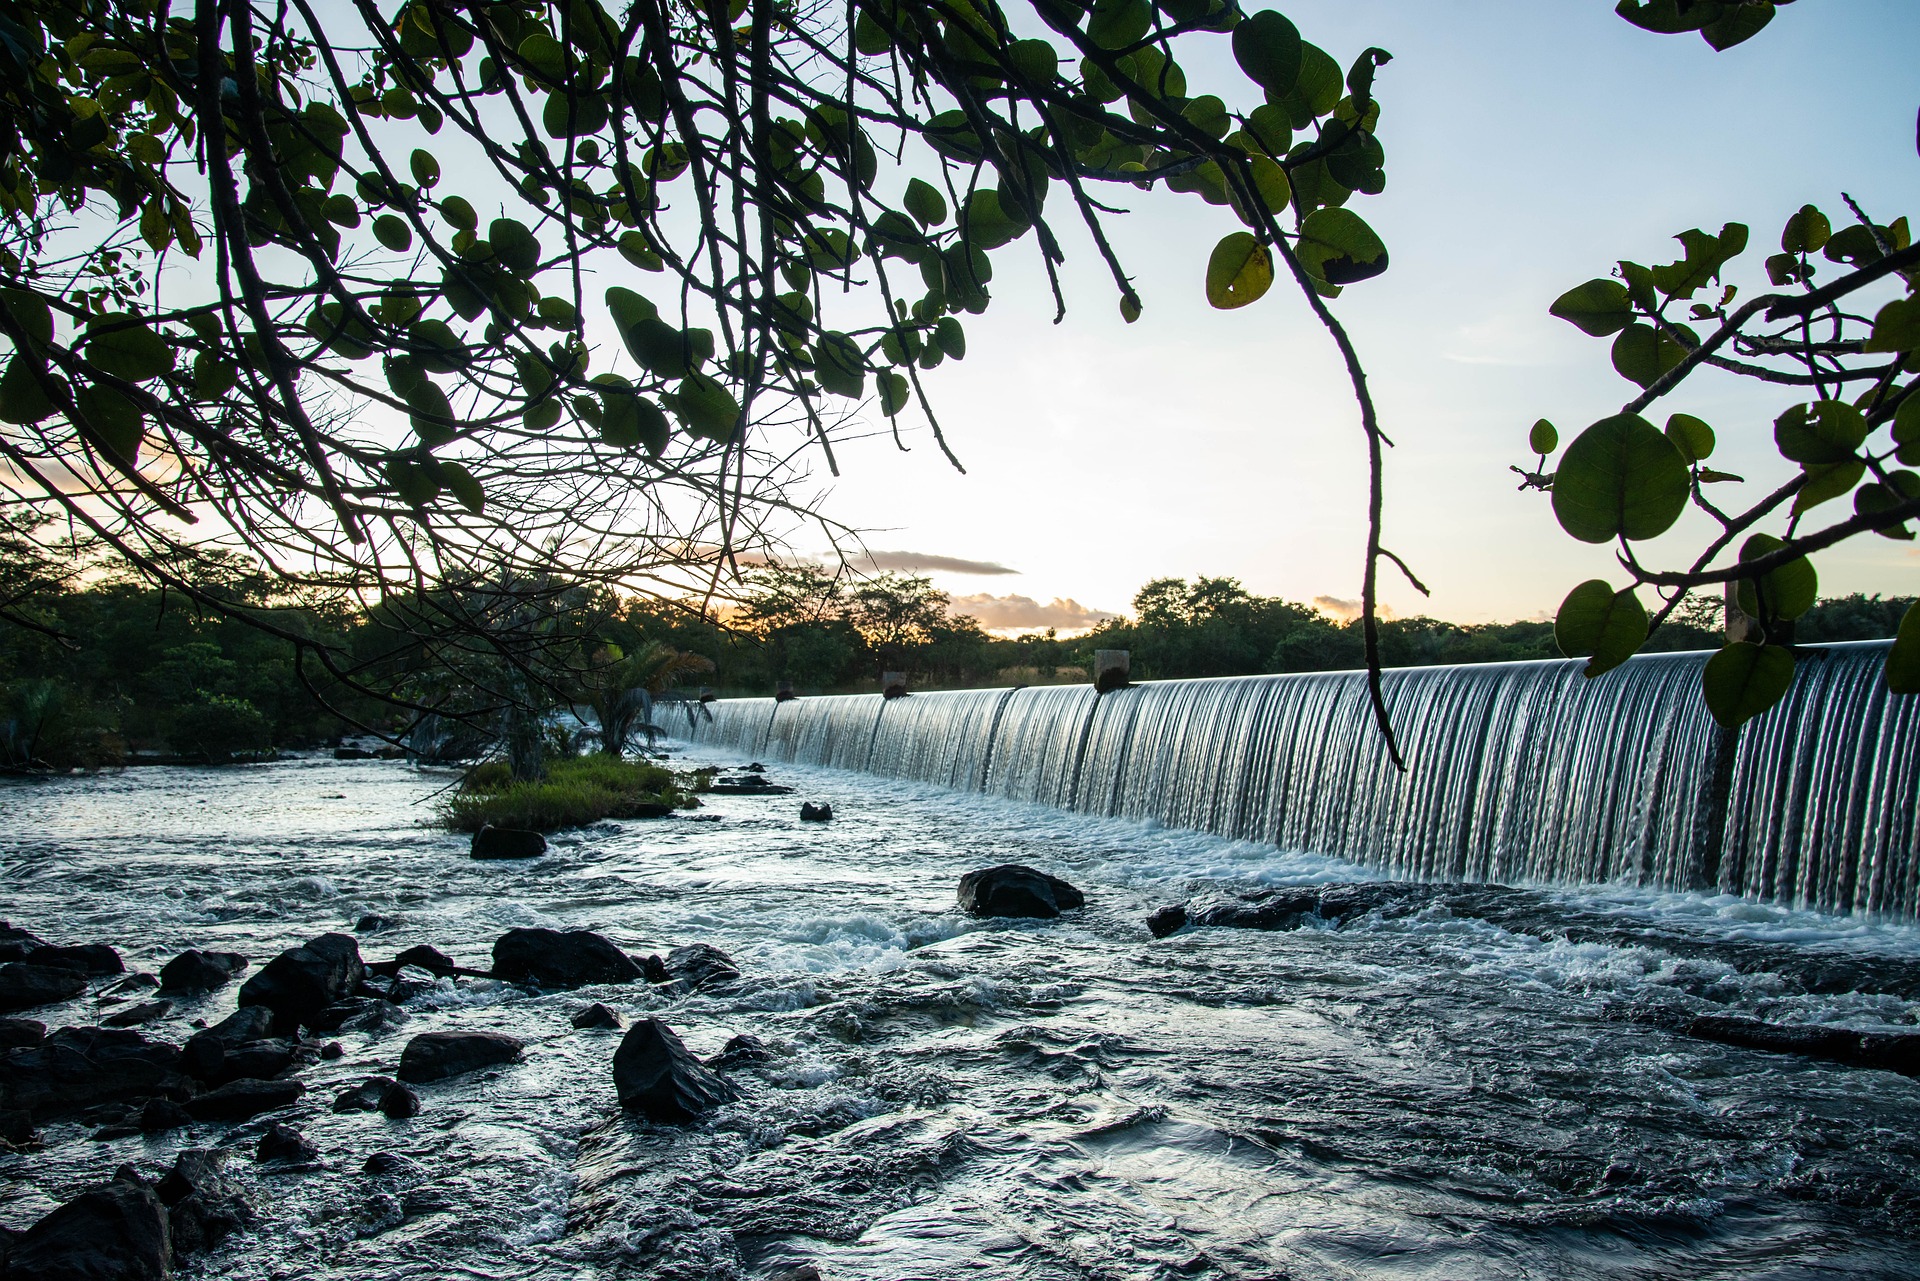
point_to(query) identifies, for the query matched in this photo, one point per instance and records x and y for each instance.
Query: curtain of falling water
(1519, 771)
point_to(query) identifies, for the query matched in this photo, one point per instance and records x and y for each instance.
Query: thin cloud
(1025, 614)
(930, 561)
(1344, 610)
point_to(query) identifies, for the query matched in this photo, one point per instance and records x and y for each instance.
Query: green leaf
(988, 222)
(431, 414)
(1643, 354)
(840, 366)
(925, 203)
(1543, 438)
(1903, 660)
(426, 169)
(1337, 246)
(1691, 436)
(869, 37)
(1744, 680)
(1906, 429)
(896, 393)
(1897, 326)
(636, 249)
(1620, 478)
(1317, 90)
(1874, 498)
(514, 246)
(950, 338)
(1827, 481)
(1239, 271)
(1115, 24)
(1826, 431)
(459, 213)
(1597, 622)
(708, 409)
(1784, 593)
(1597, 308)
(1269, 49)
(1736, 23)
(22, 398)
(115, 420)
(392, 231)
(1036, 60)
(1706, 255)
(415, 484)
(465, 489)
(129, 349)
(1806, 232)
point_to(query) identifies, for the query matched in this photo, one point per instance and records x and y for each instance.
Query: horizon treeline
(97, 666)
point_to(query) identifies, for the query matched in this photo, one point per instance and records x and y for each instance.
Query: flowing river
(1425, 1092)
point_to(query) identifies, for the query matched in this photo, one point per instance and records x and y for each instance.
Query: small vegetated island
(570, 793)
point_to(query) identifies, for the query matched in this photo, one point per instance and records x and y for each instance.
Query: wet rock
(258, 1060)
(243, 1099)
(372, 923)
(507, 842)
(805, 1272)
(17, 1133)
(399, 1103)
(1167, 920)
(435, 1056)
(16, 1033)
(197, 971)
(811, 813)
(348, 1014)
(389, 1165)
(205, 1054)
(300, 982)
(15, 942)
(115, 1232)
(550, 958)
(364, 1097)
(135, 1015)
(751, 785)
(284, 1143)
(353, 754)
(161, 1115)
(596, 1015)
(203, 1206)
(697, 967)
(658, 1076)
(24, 986)
(95, 960)
(1888, 1051)
(332, 1050)
(1015, 890)
(79, 1067)
(740, 1051)
(420, 957)
(138, 981)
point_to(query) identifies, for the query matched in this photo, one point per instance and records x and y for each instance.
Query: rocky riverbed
(829, 1068)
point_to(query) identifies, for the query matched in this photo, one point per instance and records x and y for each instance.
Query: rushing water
(1427, 1095)
(1519, 771)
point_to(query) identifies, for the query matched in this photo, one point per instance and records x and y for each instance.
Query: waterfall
(1518, 771)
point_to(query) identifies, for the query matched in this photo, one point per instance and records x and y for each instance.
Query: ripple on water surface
(1441, 1092)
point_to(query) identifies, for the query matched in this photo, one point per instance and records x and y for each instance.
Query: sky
(1530, 144)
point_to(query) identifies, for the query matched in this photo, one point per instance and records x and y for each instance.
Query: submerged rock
(197, 971)
(739, 1052)
(1167, 920)
(135, 1015)
(420, 957)
(284, 1143)
(435, 1056)
(243, 1099)
(551, 958)
(94, 959)
(79, 1067)
(364, 1097)
(1888, 1051)
(697, 967)
(24, 986)
(752, 785)
(207, 1052)
(204, 1207)
(655, 1074)
(161, 1115)
(811, 813)
(507, 842)
(302, 981)
(596, 1015)
(1012, 889)
(115, 1232)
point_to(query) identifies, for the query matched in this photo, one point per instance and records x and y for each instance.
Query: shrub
(219, 728)
(575, 791)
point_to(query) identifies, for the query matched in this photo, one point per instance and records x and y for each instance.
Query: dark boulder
(1167, 920)
(135, 1015)
(196, 971)
(243, 1099)
(78, 1067)
(751, 785)
(1013, 890)
(161, 1115)
(421, 957)
(740, 1051)
(364, 1097)
(137, 981)
(372, 923)
(15, 942)
(596, 1015)
(697, 967)
(25, 987)
(658, 1076)
(435, 1056)
(550, 958)
(206, 1052)
(96, 960)
(301, 981)
(358, 1014)
(352, 754)
(284, 1143)
(204, 1207)
(507, 842)
(811, 813)
(398, 1103)
(1888, 1051)
(332, 1050)
(115, 1232)
(16, 1033)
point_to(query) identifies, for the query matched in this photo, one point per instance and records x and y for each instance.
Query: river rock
(78, 1067)
(550, 958)
(135, 1015)
(95, 960)
(24, 986)
(301, 981)
(204, 1207)
(206, 1051)
(811, 813)
(696, 967)
(16, 1033)
(740, 1051)
(1167, 920)
(420, 957)
(197, 971)
(596, 1015)
(435, 1056)
(161, 1115)
(507, 842)
(1014, 890)
(282, 1142)
(364, 1097)
(399, 1102)
(115, 1232)
(658, 1076)
(15, 942)
(1888, 1051)
(243, 1099)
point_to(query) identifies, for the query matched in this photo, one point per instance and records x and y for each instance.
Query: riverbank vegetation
(574, 791)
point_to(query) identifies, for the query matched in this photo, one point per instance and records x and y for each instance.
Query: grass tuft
(575, 792)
